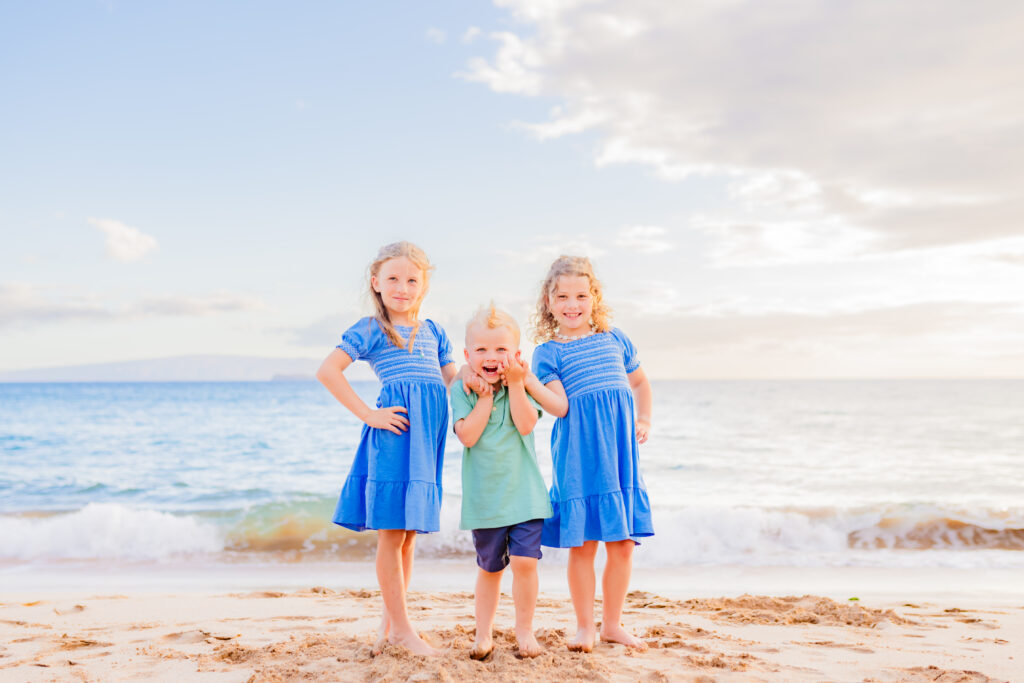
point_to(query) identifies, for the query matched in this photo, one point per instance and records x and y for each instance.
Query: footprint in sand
(69, 610)
(67, 643)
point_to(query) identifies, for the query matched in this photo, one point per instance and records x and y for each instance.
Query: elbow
(321, 375)
(527, 427)
(465, 440)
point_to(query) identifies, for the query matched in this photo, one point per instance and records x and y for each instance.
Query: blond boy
(504, 499)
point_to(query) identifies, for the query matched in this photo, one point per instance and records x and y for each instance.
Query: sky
(804, 190)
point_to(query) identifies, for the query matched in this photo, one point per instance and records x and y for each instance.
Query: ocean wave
(895, 535)
(298, 530)
(105, 530)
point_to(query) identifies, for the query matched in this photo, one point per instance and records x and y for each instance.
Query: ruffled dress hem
(614, 516)
(366, 504)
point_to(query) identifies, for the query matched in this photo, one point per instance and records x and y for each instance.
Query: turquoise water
(880, 473)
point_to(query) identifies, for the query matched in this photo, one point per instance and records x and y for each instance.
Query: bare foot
(382, 636)
(528, 645)
(414, 644)
(482, 649)
(617, 634)
(583, 641)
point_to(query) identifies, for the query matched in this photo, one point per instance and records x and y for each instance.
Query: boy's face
(487, 349)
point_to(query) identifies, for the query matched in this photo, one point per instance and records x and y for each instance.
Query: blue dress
(597, 492)
(395, 480)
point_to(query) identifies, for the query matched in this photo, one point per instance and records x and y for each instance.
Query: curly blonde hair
(543, 321)
(383, 318)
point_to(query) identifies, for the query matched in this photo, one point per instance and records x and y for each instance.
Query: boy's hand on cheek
(515, 369)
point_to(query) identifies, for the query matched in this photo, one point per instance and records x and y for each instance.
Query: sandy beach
(320, 633)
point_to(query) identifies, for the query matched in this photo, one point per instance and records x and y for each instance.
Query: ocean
(899, 473)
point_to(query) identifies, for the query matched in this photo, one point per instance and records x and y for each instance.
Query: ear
(465, 352)
(374, 284)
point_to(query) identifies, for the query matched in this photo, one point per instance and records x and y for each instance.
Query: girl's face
(571, 303)
(400, 285)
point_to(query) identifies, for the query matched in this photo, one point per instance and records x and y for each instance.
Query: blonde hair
(492, 317)
(543, 321)
(419, 259)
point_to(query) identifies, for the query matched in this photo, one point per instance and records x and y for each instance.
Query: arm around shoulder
(550, 396)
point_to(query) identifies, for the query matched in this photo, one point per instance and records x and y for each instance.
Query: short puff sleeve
(630, 357)
(444, 345)
(462, 403)
(545, 363)
(359, 340)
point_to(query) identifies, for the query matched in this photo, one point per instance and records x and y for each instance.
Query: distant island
(193, 368)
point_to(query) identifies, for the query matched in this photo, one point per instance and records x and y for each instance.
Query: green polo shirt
(501, 482)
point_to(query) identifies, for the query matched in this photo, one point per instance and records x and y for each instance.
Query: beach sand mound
(760, 609)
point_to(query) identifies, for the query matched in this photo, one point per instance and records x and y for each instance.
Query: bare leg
(524, 594)
(391, 577)
(581, 587)
(407, 554)
(488, 591)
(614, 585)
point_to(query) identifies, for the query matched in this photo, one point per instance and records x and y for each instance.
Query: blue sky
(765, 194)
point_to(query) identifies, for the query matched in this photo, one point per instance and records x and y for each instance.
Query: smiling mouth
(489, 369)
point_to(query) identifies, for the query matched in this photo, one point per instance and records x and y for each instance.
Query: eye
(502, 349)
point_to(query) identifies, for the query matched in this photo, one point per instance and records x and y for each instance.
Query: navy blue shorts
(493, 546)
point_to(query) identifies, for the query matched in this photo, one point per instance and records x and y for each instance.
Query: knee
(585, 552)
(390, 539)
(620, 551)
(523, 565)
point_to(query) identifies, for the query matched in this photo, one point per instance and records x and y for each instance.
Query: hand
(478, 385)
(514, 369)
(388, 418)
(465, 375)
(643, 429)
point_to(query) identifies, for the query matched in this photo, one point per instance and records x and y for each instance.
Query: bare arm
(550, 396)
(332, 375)
(524, 415)
(448, 373)
(641, 387)
(469, 428)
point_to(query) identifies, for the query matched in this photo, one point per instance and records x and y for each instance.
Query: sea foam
(107, 531)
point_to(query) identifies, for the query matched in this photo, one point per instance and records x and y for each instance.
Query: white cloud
(471, 34)
(26, 305)
(23, 304)
(691, 329)
(893, 119)
(513, 69)
(208, 304)
(124, 243)
(739, 243)
(436, 35)
(646, 239)
(547, 249)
